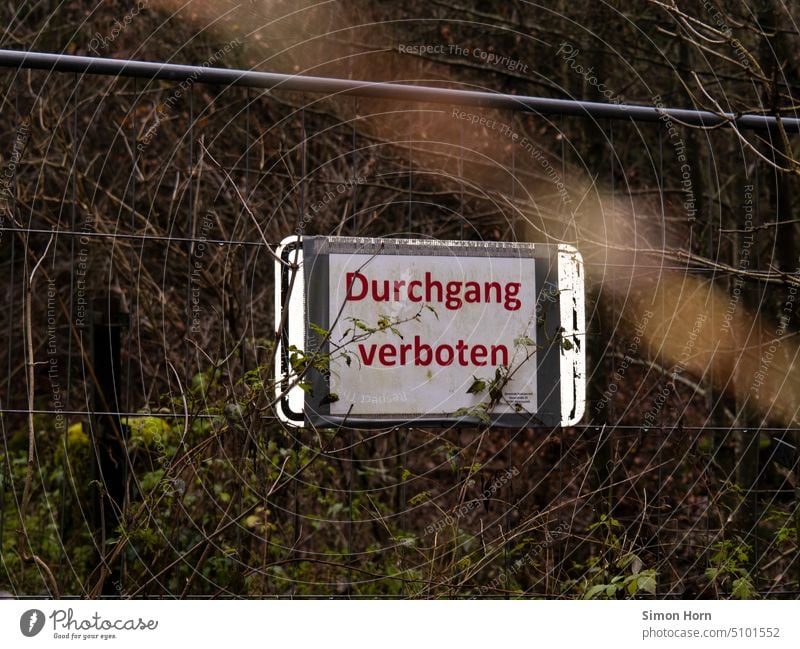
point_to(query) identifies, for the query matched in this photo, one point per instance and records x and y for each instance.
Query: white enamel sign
(376, 332)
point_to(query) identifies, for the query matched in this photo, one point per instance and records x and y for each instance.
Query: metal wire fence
(141, 455)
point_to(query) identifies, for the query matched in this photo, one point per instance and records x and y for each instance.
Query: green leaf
(742, 588)
(334, 509)
(647, 582)
(318, 330)
(454, 458)
(594, 591)
(432, 310)
(420, 498)
(150, 480)
(252, 522)
(478, 411)
(630, 559)
(331, 397)
(478, 386)
(148, 430)
(408, 540)
(497, 385)
(360, 324)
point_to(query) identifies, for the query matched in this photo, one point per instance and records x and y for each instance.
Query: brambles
(654, 495)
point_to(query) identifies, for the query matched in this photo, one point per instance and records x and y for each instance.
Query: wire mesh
(153, 216)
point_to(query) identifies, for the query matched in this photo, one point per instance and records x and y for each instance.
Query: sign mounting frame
(305, 284)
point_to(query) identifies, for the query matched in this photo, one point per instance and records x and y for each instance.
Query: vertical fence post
(747, 518)
(110, 447)
(796, 567)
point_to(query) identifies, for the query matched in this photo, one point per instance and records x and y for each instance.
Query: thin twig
(26, 490)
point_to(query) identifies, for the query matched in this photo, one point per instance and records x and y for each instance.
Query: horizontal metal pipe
(383, 90)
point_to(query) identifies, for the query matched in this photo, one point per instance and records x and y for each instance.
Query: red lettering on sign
(364, 286)
(421, 354)
(367, 357)
(454, 294)
(385, 296)
(499, 355)
(387, 354)
(411, 295)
